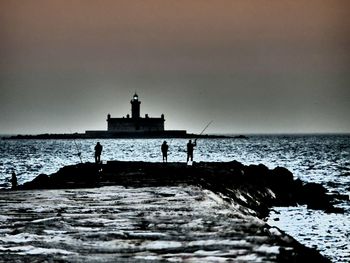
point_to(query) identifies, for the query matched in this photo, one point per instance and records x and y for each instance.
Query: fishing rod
(206, 127)
(171, 140)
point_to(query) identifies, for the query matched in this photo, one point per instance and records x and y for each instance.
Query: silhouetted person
(98, 151)
(165, 148)
(13, 180)
(190, 147)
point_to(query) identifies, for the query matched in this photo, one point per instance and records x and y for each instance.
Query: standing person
(190, 147)
(14, 180)
(98, 151)
(165, 148)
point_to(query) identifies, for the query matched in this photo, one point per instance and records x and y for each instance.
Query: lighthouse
(135, 107)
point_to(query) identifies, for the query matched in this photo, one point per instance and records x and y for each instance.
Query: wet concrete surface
(137, 224)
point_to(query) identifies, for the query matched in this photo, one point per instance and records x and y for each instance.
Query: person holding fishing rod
(190, 145)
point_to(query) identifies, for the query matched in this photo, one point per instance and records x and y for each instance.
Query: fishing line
(78, 149)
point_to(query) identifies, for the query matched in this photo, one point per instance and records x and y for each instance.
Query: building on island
(135, 125)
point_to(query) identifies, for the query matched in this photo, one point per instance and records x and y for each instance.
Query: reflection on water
(326, 232)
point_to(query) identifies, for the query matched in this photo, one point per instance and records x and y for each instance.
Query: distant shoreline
(49, 136)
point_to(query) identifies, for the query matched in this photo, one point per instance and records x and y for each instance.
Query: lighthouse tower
(135, 107)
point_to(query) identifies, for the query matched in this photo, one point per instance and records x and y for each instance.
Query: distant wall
(135, 125)
(138, 134)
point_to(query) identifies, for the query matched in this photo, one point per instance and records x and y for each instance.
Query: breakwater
(261, 187)
(212, 210)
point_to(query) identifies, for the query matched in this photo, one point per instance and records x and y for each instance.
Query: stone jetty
(261, 187)
(141, 211)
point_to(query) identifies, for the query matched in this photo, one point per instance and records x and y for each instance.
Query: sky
(261, 66)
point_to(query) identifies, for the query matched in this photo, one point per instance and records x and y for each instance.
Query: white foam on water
(249, 258)
(31, 250)
(154, 245)
(228, 242)
(268, 249)
(45, 219)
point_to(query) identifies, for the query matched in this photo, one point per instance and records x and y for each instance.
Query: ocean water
(323, 159)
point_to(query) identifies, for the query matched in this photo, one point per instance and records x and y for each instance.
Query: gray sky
(250, 66)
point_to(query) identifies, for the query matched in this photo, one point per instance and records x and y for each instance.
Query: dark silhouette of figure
(98, 151)
(14, 180)
(165, 148)
(190, 147)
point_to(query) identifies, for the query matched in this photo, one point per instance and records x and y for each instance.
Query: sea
(323, 159)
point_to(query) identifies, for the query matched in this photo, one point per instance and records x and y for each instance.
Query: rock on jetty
(139, 211)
